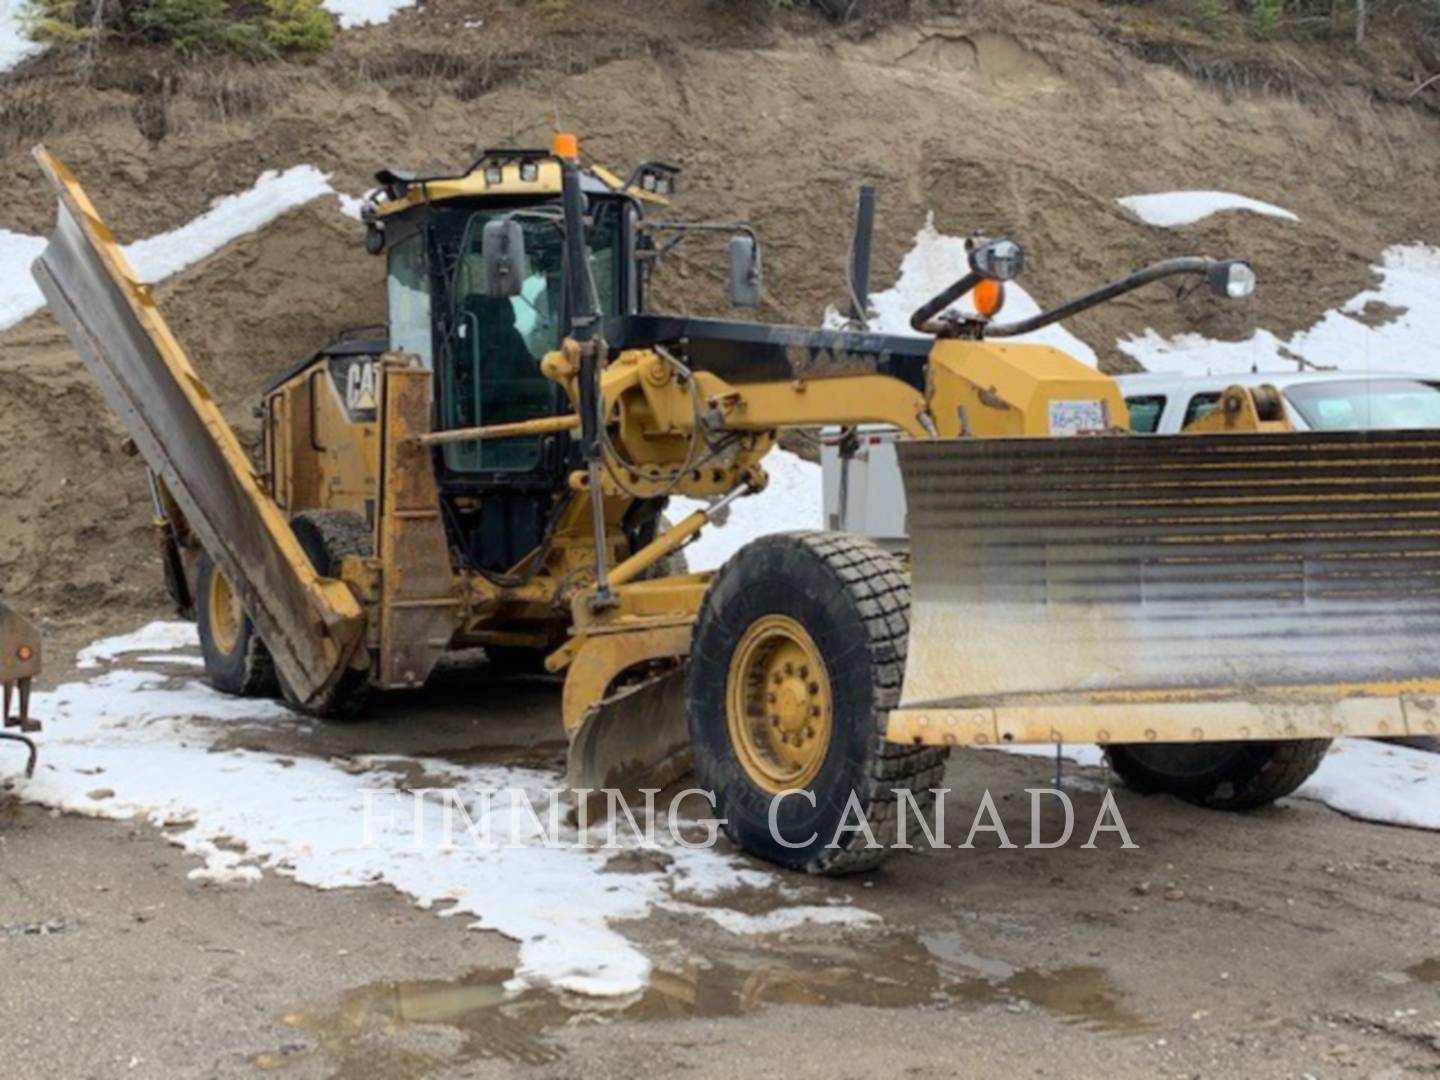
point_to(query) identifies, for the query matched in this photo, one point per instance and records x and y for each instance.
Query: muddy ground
(1289, 942)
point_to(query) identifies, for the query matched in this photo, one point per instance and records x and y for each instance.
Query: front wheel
(1221, 776)
(796, 661)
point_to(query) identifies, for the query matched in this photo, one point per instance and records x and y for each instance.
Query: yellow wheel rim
(226, 618)
(778, 707)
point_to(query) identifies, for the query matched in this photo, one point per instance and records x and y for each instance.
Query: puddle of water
(1082, 995)
(1426, 971)
(889, 972)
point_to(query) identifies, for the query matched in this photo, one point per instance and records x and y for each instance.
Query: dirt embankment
(1009, 116)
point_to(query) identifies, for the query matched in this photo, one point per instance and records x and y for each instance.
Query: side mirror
(745, 273)
(502, 247)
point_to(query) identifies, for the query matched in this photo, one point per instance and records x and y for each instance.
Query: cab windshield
(493, 375)
(1366, 404)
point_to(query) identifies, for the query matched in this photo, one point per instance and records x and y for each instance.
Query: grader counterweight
(493, 472)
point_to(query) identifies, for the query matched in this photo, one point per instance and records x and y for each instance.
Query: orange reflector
(565, 145)
(24, 652)
(988, 297)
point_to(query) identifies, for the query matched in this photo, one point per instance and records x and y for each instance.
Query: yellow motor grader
(492, 471)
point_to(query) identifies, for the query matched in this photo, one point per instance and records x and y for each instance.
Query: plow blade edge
(1173, 588)
(311, 625)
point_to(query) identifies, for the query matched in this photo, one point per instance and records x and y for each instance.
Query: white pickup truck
(864, 494)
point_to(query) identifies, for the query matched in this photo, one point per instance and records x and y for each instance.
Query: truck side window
(1199, 407)
(1145, 413)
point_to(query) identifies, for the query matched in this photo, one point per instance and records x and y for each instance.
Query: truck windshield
(1366, 404)
(493, 375)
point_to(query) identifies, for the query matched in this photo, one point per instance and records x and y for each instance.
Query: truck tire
(812, 625)
(236, 660)
(1220, 776)
(326, 537)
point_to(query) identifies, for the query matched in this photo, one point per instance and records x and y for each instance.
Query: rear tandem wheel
(236, 660)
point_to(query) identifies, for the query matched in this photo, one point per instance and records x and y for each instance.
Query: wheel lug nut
(789, 668)
(804, 671)
(809, 732)
(774, 721)
(814, 710)
(814, 688)
(770, 698)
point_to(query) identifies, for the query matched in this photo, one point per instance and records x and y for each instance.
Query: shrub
(249, 27)
(302, 25)
(53, 22)
(1208, 16)
(1265, 17)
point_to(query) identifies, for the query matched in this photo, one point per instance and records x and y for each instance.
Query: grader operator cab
(1212, 607)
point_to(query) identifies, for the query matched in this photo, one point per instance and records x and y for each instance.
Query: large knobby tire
(236, 660)
(326, 537)
(1221, 776)
(812, 625)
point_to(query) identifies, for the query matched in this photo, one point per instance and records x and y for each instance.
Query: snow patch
(350, 205)
(14, 45)
(158, 257)
(353, 13)
(1172, 208)
(19, 295)
(793, 500)
(150, 749)
(1375, 781)
(1409, 290)
(228, 218)
(152, 637)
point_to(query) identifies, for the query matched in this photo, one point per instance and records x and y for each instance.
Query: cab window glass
(1367, 404)
(1200, 407)
(407, 286)
(1145, 413)
(494, 372)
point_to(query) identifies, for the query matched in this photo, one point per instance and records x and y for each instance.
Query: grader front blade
(311, 625)
(1172, 589)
